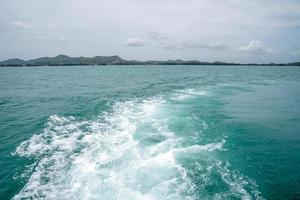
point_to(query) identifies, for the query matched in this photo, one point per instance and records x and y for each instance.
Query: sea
(150, 132)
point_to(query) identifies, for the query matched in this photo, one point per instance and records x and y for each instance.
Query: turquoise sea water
(150, 132)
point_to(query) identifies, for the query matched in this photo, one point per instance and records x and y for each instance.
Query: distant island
(116, 60)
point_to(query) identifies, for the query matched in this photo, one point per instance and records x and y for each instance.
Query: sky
(206, 30)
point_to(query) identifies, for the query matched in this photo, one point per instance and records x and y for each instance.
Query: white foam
(237, 184)
(104, 161)
(108, 158)
(199, 148)
(181, 95)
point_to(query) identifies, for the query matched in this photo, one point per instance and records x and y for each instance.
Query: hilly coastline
(115, 60)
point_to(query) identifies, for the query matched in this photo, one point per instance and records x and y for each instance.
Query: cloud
(255, 47)
(296, 53)
(213, 46)
(136, 42)
(157, 36)
(196, 45)
(21, 24)
(151, 38)
(169, 46)
(167, 27)
(218, 46)
(61, 39)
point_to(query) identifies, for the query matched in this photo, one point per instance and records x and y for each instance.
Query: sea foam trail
(129, 153)
(188, 94)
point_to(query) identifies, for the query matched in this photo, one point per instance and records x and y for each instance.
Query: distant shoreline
(63, 60)
(63, 65)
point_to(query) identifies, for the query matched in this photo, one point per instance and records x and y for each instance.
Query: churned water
(150, 132)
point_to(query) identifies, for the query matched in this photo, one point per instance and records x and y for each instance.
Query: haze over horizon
(229, 31)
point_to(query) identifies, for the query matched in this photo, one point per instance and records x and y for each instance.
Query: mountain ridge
(116, 60)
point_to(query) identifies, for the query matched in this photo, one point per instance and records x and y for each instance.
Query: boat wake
(132, 152)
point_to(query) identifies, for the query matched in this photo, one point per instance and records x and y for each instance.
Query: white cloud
(255, 47)
(106, 23)
(213, 46)
(21, 24)
(157, 36)
(151, 38)
(61, 39)
(195, 45)
(169, 45)
(218, 46)
(296, 53)
(136, 42)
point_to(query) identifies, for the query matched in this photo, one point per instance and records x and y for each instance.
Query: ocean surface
(150, 132)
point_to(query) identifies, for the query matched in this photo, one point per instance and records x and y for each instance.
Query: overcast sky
(206, 30)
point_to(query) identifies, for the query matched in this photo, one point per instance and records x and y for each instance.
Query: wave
(128, 153)
(188, 94)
